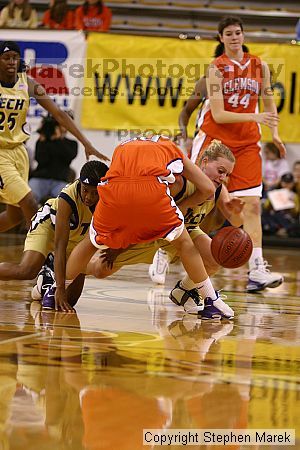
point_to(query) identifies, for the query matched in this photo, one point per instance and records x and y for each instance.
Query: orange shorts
(132, 211)
(247, 172)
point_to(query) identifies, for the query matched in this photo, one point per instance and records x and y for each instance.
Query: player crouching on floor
(217, 163)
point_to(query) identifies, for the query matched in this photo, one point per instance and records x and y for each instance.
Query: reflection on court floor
(130, 360)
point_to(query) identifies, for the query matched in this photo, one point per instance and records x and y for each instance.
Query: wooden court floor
(130, 360)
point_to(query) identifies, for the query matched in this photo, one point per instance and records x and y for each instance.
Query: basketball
(231, 247)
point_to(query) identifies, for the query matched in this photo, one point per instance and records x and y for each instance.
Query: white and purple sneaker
(216, 309)
(190, 300)
(260, 277)
(45, 279)
(48, 301)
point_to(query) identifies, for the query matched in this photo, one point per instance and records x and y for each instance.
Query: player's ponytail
(217, 149)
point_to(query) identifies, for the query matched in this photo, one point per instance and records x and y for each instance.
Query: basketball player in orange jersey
(135, 206)
(16, 88)
(235, 80)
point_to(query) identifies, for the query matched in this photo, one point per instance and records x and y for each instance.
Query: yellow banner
(141, 83)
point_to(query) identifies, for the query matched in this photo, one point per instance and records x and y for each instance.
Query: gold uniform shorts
(144, 253)
(41, 239)
(14, 170)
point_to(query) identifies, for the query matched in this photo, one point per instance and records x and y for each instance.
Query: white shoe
(261, 278)
(190, 300)
(159, 268)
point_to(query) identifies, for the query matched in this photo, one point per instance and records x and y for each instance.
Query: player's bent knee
(27, 273)
(102, 272)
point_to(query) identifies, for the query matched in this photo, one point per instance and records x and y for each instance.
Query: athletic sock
(205, 288)
(256, 254)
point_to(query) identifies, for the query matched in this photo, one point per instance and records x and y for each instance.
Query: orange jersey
(92, 20)
(156, 156)
(66, 24)
(241, 86)
(135, 204)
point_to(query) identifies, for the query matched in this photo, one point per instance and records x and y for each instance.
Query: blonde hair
(215, 150)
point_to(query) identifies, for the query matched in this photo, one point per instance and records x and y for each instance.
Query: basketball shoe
(260, 277)
(49, 262)
(216, 309)
(159, 267)
(190, 300)
(48, 301)
(45, 279)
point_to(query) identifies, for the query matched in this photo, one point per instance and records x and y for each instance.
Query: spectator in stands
(276, 217)
(54, 153)
(273, 166)
(58, 16)
(18, 14)
(296, 174)
(93, 15)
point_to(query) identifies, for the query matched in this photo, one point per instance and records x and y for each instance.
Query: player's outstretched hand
(61, 302)
(91, 151)
(235, 205)
(108, 255)
(270, 119)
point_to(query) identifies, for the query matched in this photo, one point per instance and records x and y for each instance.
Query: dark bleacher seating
(272, 21)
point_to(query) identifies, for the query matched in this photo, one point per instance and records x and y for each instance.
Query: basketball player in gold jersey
(15, 91)
(58, 226)
(217, 163)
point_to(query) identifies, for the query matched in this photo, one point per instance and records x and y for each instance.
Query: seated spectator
(280, 214)
(58, 16)
(273, 166)
(93, 15)
(296, 174)
(18, 14)
(54, 153)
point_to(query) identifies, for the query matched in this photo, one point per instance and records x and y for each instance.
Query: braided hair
(92, 171)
